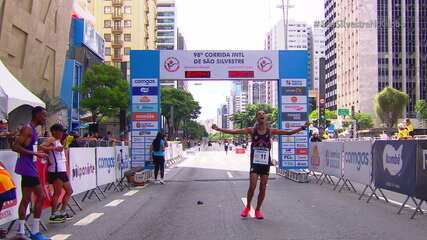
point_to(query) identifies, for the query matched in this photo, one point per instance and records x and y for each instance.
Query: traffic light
(322, 117)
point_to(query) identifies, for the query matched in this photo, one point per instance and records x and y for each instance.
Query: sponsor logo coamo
(106, 162)
(81, 171)
(357, 158)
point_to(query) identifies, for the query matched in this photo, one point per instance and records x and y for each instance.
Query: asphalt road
(292, 210)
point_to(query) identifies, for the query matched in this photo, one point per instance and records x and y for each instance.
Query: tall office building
(374, 44)
(167, 37)
(240, 93)
(317, 52)
(257, 92)
(222, 116)
(126, 25)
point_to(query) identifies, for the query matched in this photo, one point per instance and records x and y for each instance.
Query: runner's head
(57, 131)
(39, 115)
(261, 117)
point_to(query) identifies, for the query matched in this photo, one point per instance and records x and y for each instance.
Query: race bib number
(261, 156)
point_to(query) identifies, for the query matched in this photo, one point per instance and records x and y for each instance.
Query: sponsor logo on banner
(137, 139)
(288, 157)
(143, 134)
(145, 99)
(424, 159)
(294, 99)
(138, 157)
(301, 151)
(288, 139)
(357, 158)
(149, 107)
(144, 82)
(265, 64)
(333, 159)
(81, 171)
(294, 82)
(138, 145)
(288, 145)
(293, 90)
(106, 162)
(171, 64)
(301, 163)
(138, 151)
(151, 116)
(392, 159)
(147, 91)
(150, 139)
(294, 116)
(288, 151)
(294, 108)
(144, 125)
(292, 125)
(301, 157)
(288, 163)
(315, 156)
(300, 139)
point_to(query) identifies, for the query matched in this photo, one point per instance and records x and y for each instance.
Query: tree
(220, 136)
(364, 120)
(314, 115)
(389, 105)
(421, 108)
(178, 107)
(104, 91)
(194, 130)
(248, 117)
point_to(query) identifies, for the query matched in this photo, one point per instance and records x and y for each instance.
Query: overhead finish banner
(219, 65)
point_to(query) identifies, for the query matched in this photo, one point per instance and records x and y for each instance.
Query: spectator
(4, 127)
(403, 132)
(158, 154)
(76, 140)
(7, 191)
(409, 127)
(315, 137)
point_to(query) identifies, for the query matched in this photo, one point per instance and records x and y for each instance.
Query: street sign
(343, 112)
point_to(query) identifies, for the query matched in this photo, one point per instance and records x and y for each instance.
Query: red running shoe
(259, 214)
(245, 212)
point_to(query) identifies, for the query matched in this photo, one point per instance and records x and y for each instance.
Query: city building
(257, 92)
(125, 25)
(167, 36)
(222, 116)
(208, 125)
(239, 93)
(230, 111)
(317, 52)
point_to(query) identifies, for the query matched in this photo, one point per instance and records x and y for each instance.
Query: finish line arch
(289, 68)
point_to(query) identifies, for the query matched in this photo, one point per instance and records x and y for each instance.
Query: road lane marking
(229, 175)
(130, 193)
(400, 204)
(88, 219)
(252, 211)
(60, 236)
(115, 203)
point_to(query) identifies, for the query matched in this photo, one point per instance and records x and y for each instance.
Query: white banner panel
(10, 209)
(105, 165)
(315, 164)
(83, 169)
(122, 161)
(330, 155)
(357, 161)
(219, 65)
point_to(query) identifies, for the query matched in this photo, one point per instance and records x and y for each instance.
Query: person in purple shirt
(25, 166)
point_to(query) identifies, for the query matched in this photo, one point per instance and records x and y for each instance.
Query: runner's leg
(68, 193)
(262, 189)
(162, 167)
(38, 192)
(156, 167)
(252, 186)
(57, 188)
(23, 206)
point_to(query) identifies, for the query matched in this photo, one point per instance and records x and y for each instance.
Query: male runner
(260, 157)
(26, 167)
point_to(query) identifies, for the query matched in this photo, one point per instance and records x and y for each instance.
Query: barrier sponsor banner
(315, 159)
(394, 165)
(83, 169)
(357, 161)
(105, 163)
(123, 161)
(10, 208)
(330, 155)
(421, 168)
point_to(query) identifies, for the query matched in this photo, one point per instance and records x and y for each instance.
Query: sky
(232, 25)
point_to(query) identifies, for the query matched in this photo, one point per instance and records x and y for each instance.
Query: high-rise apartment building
(317, 52)
(372, 45)
(126, 25)
(222, 116)
(257, 92)
(167, 36)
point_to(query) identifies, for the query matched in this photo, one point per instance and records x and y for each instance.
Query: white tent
(13, 94)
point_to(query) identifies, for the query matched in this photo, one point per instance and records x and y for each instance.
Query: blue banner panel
(394, 165)
(421, 186)
(145, 91)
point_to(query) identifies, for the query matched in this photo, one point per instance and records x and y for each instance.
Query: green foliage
(248, 118)
(389, 105)
(53, 105)
(220, 136)
(364, 121)
(194, 130)
(314, 115)
(104, 91)
(421, 108)
(183, 106)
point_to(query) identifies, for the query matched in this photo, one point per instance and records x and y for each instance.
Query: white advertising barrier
(105, 165)
(331, 156)
(316, 164)
(357, 161)
(83, 169)
(122, 161)
(10, 209)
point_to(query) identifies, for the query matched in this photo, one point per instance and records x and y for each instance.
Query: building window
(165, 40)
(107, 23)
(127, 50)
(165, 20)
(165, 34)
(128, 9)
(128, 37)
(128, 23)
(107, 9)
(165, 14)
(165, 27)
(107, 51)
(107, 37)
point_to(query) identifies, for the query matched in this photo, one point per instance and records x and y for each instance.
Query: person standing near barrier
(57, 175)
(226, 147)
(7, 191)
(26, 167)
(158, 154)
(261, 135)
(409, 127)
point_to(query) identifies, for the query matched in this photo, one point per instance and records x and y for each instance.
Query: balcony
(117, 44)
(117, 58)
(117, 15)
(117, 3)
(118, 29)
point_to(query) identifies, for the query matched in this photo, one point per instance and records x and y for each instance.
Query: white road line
(140, 187)
(88, 219)
(115, 203)
(130, 193)
(252, 211)
(60, 236)
(400, 204)
(229, 175)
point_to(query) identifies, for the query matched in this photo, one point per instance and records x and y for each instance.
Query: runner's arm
(276, 131)
(232, 131)
(18, 146)
(48, 145)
